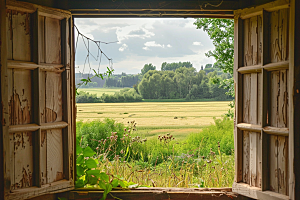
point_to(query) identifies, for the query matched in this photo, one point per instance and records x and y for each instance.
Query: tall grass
(204, 159)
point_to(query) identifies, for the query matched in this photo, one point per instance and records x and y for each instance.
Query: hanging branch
(86, 40)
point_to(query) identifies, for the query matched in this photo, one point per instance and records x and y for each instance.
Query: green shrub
(220, 133)
(86, 97)
(95, 131)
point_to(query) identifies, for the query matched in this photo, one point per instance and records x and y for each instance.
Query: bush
(220, 133)
(90, 133)
(86, 97)
(125, 95)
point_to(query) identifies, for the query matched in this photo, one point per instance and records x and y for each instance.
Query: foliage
(221, 132)
(183, 83)
(122, 80)
(221, 32)
(92, 132)
(86, 97)
(147, 67)
(173, 66)
(125, 95)
(202, 160)
(89, 176)
(88, 79)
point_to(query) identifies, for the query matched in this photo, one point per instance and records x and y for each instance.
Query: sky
(137, 42)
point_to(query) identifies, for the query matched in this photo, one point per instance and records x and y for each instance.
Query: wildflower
(124, 129)
(121, 152)
(97, 148)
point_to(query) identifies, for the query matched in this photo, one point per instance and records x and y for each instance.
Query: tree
(147, 67)
(221, 32)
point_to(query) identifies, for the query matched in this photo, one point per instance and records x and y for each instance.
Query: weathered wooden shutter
(38, 100)
(262, 101)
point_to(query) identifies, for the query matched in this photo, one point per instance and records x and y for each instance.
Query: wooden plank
(246, 97)
(294, 84)
(9, 34)
(256, 193)
(266, 54)
(53, 40)
(53, 97)
(58, 68)
(5, 166)
(21, 36)
(23, 158)
(282, 100)
(275, 93)
(259, 98)
(249, 127)
(253, 37)
(10, 92)
(41, 33)
(253, 112)
(275, 48)
(22, 97)
(43, 157)
(273, 163)
(42, 97)
(276, 66)
(27, 193)
(35, 36)
(283, 165)
(246, 157)
(54, 155)
(248, 49)
(36, 158)
(250, 69)
(253, 151)
(35, 127)
(283, 33)
(66, 99)
(259, 161)
(259, 39)
(36, 96)
(238, 81)
(276, 131)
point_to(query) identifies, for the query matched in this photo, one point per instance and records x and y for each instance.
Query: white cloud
(153, 44)
(146, 48)
(123, 47)
(169, 46)
(197, 44)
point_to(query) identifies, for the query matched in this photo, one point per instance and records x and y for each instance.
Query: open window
(38, 100)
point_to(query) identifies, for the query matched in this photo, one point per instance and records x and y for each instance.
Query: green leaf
(91, 163)
(108, 188)
(83, 80)
(122, 184)
(88, 152)
(79, 183)
(104, 177)
(102, 185)
(92, 180)
(78, 149)
(115, 183)
(80, 171)
(80, 160)
(94, 172)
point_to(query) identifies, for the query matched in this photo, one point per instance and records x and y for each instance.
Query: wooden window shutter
(38, 126)
(262, 101)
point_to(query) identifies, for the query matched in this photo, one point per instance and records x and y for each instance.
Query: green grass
(100, 91)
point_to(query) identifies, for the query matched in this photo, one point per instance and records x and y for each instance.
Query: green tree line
(182, 83)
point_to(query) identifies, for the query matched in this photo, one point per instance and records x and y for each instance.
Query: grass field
(100, 91)
(154, 118)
